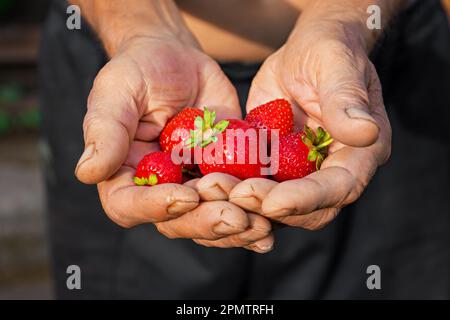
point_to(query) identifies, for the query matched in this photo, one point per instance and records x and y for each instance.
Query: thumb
(344, 103)
(109, 125)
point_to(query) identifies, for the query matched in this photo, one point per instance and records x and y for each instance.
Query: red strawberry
(241, 151)
(276, 114)
(157, 168)
(179, 128)
(300, 154)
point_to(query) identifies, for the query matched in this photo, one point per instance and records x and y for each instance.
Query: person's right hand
(147, 81)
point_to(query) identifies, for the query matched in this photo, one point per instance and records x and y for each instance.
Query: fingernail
(87, 154)
(228, 224)
(264, 247)
(359, 114)
(179, 207)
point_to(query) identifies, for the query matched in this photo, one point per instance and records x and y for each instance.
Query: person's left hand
(325, 73)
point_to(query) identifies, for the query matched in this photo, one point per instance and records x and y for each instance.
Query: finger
(249, 194)
(341, 180)
(344, 101)
(216, 186)
(261, 246)
(259, 229)
(217, 93)
(129, 205)
(109, 126)
(312, 221)
(192, 183)
(210, 220)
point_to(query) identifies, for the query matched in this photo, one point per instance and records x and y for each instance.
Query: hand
(324, 71)
(146, 82)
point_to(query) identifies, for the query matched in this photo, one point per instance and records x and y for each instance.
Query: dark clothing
(401, 223)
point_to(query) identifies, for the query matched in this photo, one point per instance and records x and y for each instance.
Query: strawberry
(157, 168)
(276, 114)
(216, 150)
(179, 128)
(300, 153)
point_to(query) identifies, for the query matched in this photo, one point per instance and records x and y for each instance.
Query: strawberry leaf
(221, 125)
(309, 133)
(307, 142)
(312, 155)
(207, 118)
(213, 118)
(325, 144)
(320, 135)
(319, 161)
(152, 179)
(198, 123)
(140, 181)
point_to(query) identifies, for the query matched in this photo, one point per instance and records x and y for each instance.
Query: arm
(351, 14)
(156, 69)
(115, 22)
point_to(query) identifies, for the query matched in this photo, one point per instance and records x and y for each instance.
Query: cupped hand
(146, 82)
(325, 72)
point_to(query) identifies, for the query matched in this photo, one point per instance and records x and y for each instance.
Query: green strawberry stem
(206, 131)
(317, 144)
(151, 180)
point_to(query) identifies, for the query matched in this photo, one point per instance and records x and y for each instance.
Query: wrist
(349, 17)
(127, 31)
(117, 22)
